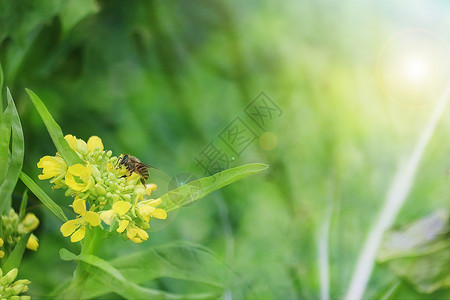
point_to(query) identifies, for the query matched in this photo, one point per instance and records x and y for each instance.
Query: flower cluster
(14, 227)
(10, 289)
(102, 191)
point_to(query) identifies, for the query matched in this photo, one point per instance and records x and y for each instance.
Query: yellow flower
(93, 143)
(78, 177)
(53, 166)
(80, 146)
(79, 224)
(119, 208)
(135, 234)
(71, 140)
(147, 209)
(32, 243)
(149, 188)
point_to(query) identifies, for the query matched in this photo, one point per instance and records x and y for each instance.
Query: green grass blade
(17, 152)
(112, 278)
(54, 130)
(16, 255)
(1, 89)
(23, 204)
(198, 189)
(45, 199)
(5, 134)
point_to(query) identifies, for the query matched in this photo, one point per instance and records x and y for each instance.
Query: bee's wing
(150, 166)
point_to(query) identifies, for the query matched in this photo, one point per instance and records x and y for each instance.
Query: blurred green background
(163, 79)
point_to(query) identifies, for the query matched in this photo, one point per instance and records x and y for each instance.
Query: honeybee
(133, 164)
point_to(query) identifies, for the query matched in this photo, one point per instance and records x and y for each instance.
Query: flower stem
(91, 245)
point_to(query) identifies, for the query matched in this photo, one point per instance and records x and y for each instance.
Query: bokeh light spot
(268, 141)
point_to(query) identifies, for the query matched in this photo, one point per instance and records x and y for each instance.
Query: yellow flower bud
(30, 222)
(32, 243)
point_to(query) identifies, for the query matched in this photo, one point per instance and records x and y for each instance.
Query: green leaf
(16, 255)
(66, 255)
(112, 278)
(5, 133)
(23, 204)
(54, 208)
(1, 89)
(16, 161)
(54, 130)
(73, 11)
(179, 261)
(198, 189)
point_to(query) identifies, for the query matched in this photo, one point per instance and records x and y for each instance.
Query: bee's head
(122, 159)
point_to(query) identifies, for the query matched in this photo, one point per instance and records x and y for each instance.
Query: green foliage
(54, 130)
(198, 189)
(43, 197)
(15, 157)
(180, 261)
(15, 258)
(109, 278)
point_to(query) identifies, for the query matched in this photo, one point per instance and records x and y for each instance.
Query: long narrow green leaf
(23, 204)
(118, 283)
(17, 152)
(16, 255)
(198, 189)
(54, 130)
(54, 208)
(178, 261)
(1, 89)
(5, 134)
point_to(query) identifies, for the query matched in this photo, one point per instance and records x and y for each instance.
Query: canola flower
(104, 194)
(10, 288)
(14, 227)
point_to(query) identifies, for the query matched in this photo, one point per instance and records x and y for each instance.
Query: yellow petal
(2, 253)
(32, 243)
(79, 178)
(107, 216)
(150, 187)
(122, 225)
(52, 166)
(159, 213)
(94, 142)
(80, 170)
(142, 234)
(1, 242)
(79, 206)
(131, 233)
(92, 218)
(155, 202)
(69, 227)
(121, 207)
(136, 240)
(78, 235)
(145, 212)
(81, 147)
(71, 140)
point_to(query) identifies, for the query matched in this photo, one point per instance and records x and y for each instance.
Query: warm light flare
(416, 69)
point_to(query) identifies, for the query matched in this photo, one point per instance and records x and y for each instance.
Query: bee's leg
(117, 161)
(143, 181)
